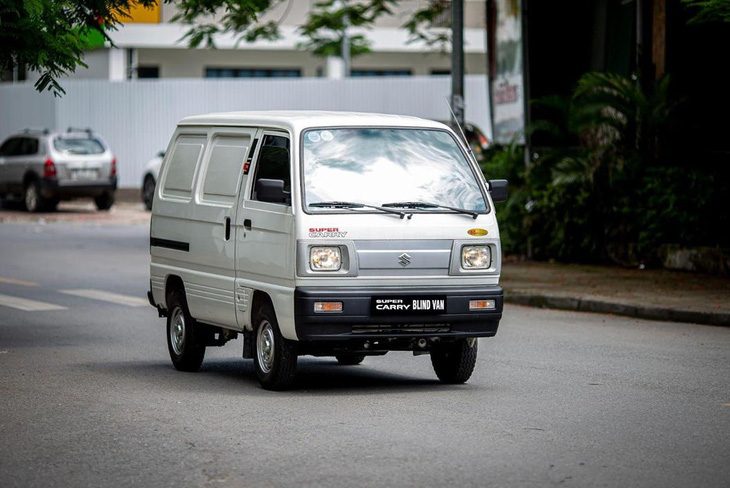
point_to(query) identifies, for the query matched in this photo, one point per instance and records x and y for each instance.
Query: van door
(212, 232)
(264, 252)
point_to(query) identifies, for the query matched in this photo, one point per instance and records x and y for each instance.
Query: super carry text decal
(326, 232)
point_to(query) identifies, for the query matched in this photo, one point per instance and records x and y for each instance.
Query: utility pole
(457, 59)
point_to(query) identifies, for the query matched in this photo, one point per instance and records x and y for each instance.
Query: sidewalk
(79, 212)
(649, 294)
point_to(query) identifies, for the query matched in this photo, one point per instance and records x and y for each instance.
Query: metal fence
(137, 118)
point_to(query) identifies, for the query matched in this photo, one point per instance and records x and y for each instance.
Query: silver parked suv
(44, 167)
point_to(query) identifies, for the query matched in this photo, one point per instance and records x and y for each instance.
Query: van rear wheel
(275, 358)
(183, 335)
(454, 362)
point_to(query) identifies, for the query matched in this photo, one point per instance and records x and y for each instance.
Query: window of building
(380, 72)
(148, 72)
(440, 72)
(252, 73)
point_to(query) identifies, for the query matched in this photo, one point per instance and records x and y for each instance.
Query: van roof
(298, 120)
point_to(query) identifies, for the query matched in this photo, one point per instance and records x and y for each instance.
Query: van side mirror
(271, 191)
(499, 189)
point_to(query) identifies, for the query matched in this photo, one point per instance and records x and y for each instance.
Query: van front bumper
(358, 319)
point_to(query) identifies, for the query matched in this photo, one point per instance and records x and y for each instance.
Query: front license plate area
(408, 305)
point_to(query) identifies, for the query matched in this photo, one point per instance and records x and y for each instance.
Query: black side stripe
(176, 245)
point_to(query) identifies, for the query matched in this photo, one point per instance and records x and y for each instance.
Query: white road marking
(27, 305)
(11, 281)
(108, 296)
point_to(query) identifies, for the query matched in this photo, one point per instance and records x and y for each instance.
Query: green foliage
(208, 18)
(429, 25)
(709, 11)
(50, 36)
(608, 188)
(327, 22)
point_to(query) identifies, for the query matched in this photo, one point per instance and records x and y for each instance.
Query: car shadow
(236, 376)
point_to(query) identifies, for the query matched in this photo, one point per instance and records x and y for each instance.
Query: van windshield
(375, 167)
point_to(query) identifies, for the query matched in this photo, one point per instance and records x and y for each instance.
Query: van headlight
(325, 259)
(476, 257)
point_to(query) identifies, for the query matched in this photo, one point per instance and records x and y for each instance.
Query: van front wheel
(183, 335)
(275, 358)
(454, 362)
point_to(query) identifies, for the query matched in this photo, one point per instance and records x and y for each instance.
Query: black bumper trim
(53, 187)
(458, 319)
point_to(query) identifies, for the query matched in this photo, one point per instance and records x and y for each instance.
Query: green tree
(709, 11)
(50, 36)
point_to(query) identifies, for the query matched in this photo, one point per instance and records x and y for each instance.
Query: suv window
(11, 147)
(29, 146)
(273, 161)
(78, 145)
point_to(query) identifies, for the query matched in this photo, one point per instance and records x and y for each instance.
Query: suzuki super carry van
(325, 234)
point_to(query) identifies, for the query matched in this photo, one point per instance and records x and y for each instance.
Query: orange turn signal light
(327, 307)
(481, 305)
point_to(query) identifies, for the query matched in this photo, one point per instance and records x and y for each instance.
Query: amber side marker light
(481, 305)
(327, 307)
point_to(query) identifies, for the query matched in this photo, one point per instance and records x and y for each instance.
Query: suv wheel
(104, 201)
(275, 358)
(454, 362)
(148, 191)
(32, 198)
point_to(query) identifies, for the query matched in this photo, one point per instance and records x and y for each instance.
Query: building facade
(150, 45)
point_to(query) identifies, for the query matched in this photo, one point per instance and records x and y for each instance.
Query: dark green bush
(622, 192)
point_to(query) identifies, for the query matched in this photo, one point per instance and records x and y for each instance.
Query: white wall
(137, 118)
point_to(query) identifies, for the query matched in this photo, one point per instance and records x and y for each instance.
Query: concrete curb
(578, 304)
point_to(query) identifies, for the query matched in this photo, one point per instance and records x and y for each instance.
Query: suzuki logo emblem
(404, 259)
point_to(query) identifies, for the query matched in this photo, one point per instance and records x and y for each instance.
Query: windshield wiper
(473, 214)
(337, 204)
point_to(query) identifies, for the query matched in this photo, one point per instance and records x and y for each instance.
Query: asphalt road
(88, 396)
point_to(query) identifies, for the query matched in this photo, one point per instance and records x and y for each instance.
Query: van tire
(350, 359)
(454, 362)
(274, 357)
(104, 201)
(183, 335)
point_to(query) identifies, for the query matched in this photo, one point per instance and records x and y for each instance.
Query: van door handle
(228, 228)
(247, 224)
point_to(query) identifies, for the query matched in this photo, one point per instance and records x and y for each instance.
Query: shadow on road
(235, 376)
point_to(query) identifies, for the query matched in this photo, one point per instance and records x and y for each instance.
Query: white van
(326, 234)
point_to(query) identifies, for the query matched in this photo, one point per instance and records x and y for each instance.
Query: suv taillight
(49, 169)
(114, 167)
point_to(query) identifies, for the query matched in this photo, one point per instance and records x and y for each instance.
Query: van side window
(225, 168)
(182, 165)
(273, 162)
